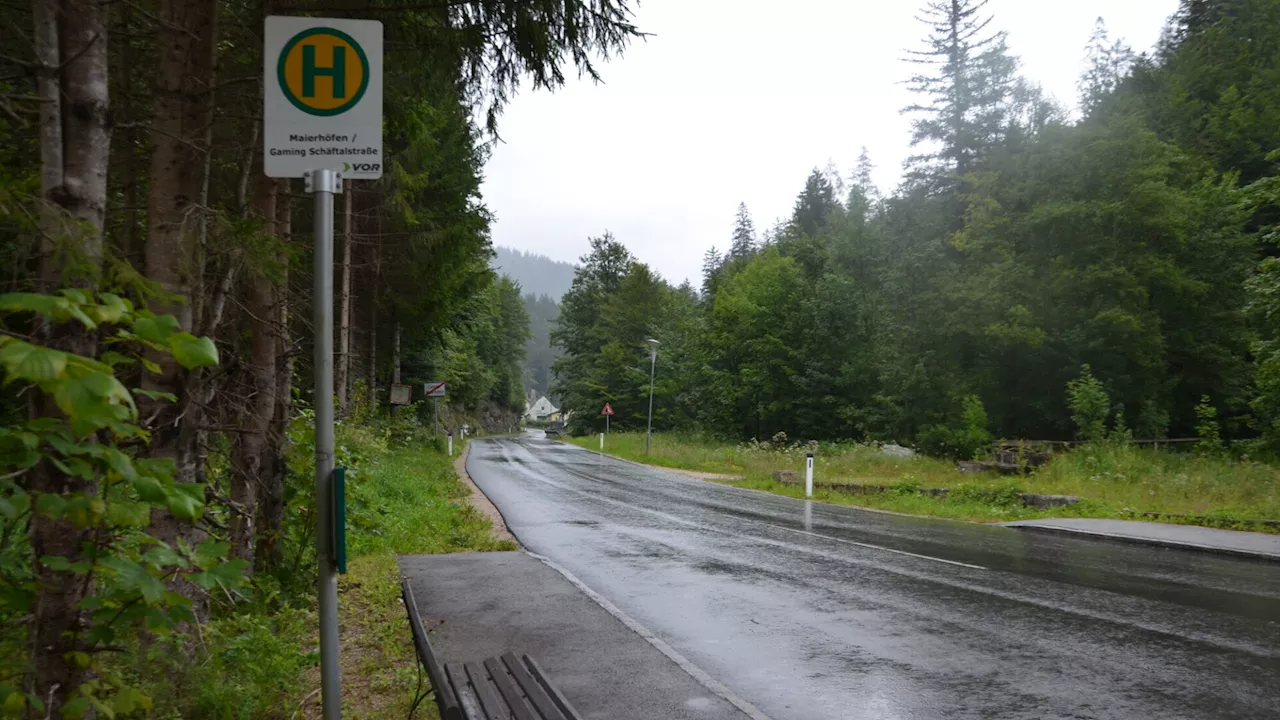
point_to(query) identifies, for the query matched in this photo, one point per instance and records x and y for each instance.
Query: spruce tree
(814, 204)
(1108, 63)
(970, 76)
(744, 235)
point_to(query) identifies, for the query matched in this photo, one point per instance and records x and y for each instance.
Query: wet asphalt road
(815, 611)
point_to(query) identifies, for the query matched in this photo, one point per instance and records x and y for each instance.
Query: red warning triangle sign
(608, 410)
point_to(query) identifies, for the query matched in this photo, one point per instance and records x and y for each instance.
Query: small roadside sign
(401, 394)
(322, 97)
(608, 409)
(433, 389)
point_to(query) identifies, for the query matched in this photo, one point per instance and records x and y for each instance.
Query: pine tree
(1108, 63)
(815, 202)
(744, 235)
(711, 264)
(863, 193)
(966, 90)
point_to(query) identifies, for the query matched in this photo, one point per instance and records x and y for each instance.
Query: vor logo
(323, 71)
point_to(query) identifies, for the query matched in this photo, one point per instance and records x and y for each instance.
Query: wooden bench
(498, 688)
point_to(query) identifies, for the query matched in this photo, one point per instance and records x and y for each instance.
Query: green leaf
(115, 359)
(110, 309)
(161, 557)
(132, 576)
(28, 302)
(14, 505)
(120, 463)
(209, 552)
(149, 489)
(74, 709)
(129, 514)
(161, 467)
(230, 574)
(155, 394)
(186, 500)
(57, 563)
(156, 329)
(192, 352)
(50, 505)
(23, 361)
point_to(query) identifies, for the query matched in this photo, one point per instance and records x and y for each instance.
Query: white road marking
(685, 664)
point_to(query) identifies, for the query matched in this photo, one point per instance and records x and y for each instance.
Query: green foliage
(97, 439)
(1207, 428)
(963, 441)
(1090, 406)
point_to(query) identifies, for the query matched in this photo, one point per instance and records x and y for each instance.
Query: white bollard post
(808, 475)
(450, 443)
(601, 442)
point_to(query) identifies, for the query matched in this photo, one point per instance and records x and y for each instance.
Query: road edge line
(685, 664)
(1260, 556)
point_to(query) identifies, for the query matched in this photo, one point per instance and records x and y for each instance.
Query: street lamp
(653, 363)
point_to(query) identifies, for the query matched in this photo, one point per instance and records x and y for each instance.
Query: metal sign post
(607, 412)
(322, 121)
(436, 390)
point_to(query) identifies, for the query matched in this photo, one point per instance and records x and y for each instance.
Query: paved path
(812, 611)
(480, 605)
(1231, 542)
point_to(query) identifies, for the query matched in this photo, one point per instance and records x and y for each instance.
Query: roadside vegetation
(1112, 479)
(258, 658)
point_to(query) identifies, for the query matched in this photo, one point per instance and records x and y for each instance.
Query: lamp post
(653, 363)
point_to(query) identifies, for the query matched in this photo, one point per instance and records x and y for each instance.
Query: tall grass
(1113, 480)
(258, 659)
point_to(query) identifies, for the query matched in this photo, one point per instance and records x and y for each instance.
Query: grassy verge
(1111, 480)
(258, 660)
(408, 502)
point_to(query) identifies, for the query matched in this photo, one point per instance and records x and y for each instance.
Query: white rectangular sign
(322, 98)
(433, 389)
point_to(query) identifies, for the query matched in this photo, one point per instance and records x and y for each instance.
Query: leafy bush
(106, 489)
(1090, 406)
(1207, 428)
(961, 442)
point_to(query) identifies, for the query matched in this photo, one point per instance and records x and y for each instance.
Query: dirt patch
(698, 475)
(480, 501)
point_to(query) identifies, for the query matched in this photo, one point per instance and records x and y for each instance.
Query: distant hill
(537, 274)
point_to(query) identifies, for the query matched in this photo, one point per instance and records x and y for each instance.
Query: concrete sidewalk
(480, 605)
(1187, 537)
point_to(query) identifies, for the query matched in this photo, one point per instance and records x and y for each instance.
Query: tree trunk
(251, 464)
(176, 213)
(373, 350)
(270, 515)
(75, 135)
(395, 355)
(374, 258)
(344, 310)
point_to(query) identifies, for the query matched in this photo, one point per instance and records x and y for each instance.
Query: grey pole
(323, 184)
(436, 403)
(653, 363)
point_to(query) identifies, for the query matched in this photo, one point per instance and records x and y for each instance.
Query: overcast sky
(736, 101)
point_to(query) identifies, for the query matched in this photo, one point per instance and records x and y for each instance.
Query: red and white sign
(433, 389)
(608, 410)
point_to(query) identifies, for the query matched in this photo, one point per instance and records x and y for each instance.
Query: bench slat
(509, 690)
(467, 700)
(494, 707)
(560, 700)
(532, 688)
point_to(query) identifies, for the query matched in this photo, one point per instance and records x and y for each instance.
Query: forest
(155, 322)
(1035, 256)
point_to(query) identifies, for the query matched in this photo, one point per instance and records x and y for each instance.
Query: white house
(541, 410)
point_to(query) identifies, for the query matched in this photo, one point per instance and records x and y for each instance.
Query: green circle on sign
(282, 79)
